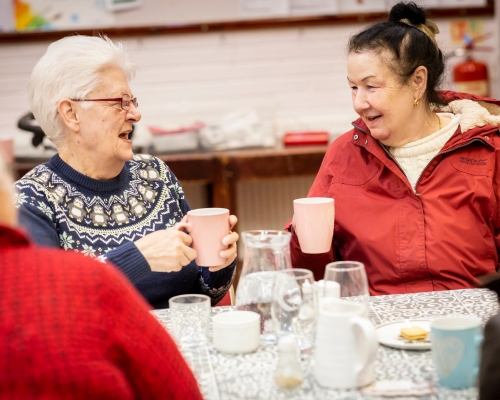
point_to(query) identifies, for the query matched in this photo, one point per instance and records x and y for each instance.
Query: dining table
(250, 376)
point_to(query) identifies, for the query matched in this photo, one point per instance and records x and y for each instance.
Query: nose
(133, 113)
(359, 101)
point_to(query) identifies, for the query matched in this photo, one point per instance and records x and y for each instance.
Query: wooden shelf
(488, 10)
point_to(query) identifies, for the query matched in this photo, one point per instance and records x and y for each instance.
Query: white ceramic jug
(346, 345)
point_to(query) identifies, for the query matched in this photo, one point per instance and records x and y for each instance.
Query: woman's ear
(419, 81)
(67, 111)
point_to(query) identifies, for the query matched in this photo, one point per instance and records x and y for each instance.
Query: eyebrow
(364, 79)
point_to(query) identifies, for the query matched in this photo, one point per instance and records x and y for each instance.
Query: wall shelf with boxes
(343, 11)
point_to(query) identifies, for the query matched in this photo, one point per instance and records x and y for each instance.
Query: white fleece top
(415, 156)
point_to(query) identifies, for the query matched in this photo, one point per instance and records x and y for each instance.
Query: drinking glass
(190, 316)
(294, 306)
(351, 276)
(266, 252)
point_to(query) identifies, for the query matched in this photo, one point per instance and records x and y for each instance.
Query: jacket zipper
(387, 152)
(438, 154)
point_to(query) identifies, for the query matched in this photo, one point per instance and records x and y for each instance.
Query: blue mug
(455, 343)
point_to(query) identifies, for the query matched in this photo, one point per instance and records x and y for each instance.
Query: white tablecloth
(250, 376)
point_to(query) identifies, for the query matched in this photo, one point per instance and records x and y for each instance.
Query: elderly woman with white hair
(93, 196)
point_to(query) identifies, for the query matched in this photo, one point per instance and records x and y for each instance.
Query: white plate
(388, 334)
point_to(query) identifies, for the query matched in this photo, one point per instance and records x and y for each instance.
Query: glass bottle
(266, 252)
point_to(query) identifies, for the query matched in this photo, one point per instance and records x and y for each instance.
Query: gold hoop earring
(415, 102)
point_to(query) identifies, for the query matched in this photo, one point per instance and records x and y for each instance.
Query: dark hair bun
(414, 13)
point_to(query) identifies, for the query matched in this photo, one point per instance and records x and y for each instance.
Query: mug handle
(367, 344)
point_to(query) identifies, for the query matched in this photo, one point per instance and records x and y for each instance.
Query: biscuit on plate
(413, 333)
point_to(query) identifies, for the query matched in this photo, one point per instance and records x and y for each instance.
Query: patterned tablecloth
(250, 376)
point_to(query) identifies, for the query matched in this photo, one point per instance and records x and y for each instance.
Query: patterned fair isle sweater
(60, 207)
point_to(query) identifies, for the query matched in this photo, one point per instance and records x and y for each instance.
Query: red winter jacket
(74, 328)
(441, 237)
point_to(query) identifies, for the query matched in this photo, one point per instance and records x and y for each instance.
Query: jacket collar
(448, 96)
(10, 237)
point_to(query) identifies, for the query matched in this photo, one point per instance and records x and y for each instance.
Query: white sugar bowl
(236, 332)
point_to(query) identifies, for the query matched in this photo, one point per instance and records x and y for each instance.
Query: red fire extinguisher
(471, 76)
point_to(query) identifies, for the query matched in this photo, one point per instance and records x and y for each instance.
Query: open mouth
(124, 135)
(372, 119)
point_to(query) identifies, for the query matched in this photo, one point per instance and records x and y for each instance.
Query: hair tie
(429, 28)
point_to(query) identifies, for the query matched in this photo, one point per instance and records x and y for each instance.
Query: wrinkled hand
(229, 240)
(167, 250)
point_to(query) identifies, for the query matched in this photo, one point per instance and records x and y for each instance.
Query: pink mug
(314, 218)
(208, 228)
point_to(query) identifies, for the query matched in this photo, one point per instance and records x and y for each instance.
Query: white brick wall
(295, 77)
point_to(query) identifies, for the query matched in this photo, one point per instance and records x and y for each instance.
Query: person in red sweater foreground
(71, 327)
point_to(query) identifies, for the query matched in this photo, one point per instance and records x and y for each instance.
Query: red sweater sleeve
(144, 350)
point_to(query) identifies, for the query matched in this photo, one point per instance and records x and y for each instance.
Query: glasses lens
(134, 102)
(125, 101)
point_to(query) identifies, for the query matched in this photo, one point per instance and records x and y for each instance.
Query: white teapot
(346, 345)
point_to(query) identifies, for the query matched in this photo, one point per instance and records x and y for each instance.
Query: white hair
(71, 68)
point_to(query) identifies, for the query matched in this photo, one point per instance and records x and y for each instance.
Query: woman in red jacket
(416, 181)
(71, 327)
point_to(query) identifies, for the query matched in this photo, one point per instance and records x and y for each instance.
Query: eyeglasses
(125, 101)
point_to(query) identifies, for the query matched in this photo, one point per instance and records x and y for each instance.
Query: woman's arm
(215, 284)
(37, 217)
(314, 262)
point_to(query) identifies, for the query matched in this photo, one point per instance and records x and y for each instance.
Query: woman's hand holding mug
(167, 250)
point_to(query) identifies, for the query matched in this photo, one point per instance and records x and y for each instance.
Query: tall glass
(351, 276)
(294, 306)
(266, 252)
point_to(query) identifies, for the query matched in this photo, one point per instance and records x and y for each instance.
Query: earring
(415, 102)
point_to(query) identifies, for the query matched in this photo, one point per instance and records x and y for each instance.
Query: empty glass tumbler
(351, 276)
(190, 317)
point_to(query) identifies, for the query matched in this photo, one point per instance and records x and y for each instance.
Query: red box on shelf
(306, 138)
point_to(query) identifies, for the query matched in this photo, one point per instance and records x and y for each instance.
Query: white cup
(346, 345)
(236, 332)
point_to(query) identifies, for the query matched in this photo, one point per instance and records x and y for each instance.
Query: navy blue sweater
(60, 207)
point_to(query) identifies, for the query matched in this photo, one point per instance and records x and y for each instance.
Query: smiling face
(105, 126)
(379, 98)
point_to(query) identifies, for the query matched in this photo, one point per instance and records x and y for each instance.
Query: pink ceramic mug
(314, 218)
(208, 228)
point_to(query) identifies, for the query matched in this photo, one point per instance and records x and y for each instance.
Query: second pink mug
(314, 218)
(208, 228)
